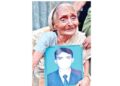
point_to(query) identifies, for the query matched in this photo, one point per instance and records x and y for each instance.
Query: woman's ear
(54, 26)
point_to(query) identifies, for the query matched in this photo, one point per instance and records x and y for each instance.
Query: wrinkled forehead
(64, 9)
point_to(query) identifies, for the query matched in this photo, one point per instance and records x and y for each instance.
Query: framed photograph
(63, 65)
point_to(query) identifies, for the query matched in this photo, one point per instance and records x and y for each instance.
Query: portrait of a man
(65, 75)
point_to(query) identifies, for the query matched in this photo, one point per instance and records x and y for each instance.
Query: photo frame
(51, 66)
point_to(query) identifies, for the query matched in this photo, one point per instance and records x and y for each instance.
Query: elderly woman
(63, 31)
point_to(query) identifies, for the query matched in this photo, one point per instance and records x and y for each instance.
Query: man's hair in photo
(60, 50)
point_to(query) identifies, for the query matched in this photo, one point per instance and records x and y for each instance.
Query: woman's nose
(70, 22)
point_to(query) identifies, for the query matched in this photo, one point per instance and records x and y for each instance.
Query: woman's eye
(63, 19)
(73, 17)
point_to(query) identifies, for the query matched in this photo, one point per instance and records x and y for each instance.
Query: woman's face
(66, 21)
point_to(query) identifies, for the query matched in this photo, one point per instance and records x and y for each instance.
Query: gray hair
(50, 19)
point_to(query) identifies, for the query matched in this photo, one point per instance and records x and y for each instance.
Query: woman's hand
(84, 82)
(87, 43)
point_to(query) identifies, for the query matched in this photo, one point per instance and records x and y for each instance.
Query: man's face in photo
(64, 60)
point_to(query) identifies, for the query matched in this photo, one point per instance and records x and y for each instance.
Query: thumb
(79, 83)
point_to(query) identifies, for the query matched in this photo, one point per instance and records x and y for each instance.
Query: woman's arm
(46, 40)
(37, 56)
(86, 78)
